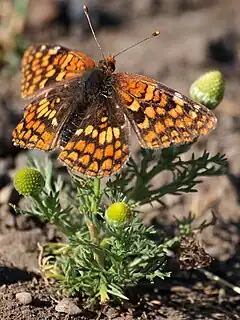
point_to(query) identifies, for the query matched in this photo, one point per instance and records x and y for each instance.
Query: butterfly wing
(159, 115)
(43, 65)
(100, 146)
(45, 116)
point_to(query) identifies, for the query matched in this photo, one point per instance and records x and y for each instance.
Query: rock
(7, 219)
(67, 306)
(9, 195)
(24, 297)
(20, 248)
(5, 194)
(24, 222)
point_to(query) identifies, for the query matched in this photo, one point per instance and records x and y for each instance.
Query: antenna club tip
(156, 33)
(85, 8)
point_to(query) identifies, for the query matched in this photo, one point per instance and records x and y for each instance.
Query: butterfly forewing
(43, 65)
(159, 115)
(44, 118)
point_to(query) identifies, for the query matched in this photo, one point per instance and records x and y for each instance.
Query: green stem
(97, 185)
(99, 255)
(95, 199)
(103, 292)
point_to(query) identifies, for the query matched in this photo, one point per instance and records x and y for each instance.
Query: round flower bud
(208, 89)
(117, 213)
(105, 243)
(28, 181)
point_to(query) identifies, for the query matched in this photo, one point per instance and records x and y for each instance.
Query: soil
(196, 36)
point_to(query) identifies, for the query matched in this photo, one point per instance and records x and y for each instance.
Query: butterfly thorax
(96, 84)
(99, 81)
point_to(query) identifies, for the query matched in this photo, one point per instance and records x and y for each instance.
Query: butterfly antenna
(85, 9)
(154, 34)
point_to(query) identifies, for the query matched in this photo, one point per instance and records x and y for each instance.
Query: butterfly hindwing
(100, 146)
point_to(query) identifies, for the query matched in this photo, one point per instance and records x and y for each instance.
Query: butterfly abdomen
(71, 126)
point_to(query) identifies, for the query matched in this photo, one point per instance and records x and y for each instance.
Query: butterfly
(88, 110)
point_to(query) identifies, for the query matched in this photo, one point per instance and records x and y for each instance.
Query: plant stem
(99, 255)
(222, 281)
(103, 292)
(95, 199)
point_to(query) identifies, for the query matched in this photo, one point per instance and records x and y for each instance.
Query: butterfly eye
(111, 66)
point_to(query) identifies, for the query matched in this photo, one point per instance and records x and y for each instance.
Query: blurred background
(196, 36)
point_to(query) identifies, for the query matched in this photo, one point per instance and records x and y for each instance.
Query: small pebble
(5, 194)
(179, 289)
(67, 306)
(24, 297)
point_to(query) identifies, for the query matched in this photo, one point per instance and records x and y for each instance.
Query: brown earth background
(196, 36)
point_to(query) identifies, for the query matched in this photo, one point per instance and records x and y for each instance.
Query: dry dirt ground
(196, 36)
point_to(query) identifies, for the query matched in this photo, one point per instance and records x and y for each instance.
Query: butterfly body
(94, 88)
(88, 109)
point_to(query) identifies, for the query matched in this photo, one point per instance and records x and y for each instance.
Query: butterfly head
(108, 64)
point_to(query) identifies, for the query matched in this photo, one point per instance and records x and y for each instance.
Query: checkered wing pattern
(100, 146)
(43, 119)
(159, 115)
(43, 65)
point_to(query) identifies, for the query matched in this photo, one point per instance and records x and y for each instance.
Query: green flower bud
(105, 243)
(117, 213)
(208, 89)
(28, 181)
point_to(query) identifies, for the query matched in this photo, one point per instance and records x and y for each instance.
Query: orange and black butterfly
(88, 110)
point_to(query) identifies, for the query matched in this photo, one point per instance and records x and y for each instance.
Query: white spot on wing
(196, 106)
(78, 132)
(54, 122)
(177, 94)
